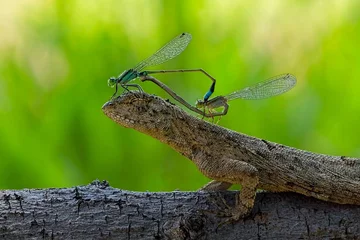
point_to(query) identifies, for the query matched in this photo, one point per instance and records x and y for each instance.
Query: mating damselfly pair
(268, 88)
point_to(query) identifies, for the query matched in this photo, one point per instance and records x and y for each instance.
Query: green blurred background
(56, 57)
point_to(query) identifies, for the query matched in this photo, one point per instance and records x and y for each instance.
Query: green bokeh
(56, 57)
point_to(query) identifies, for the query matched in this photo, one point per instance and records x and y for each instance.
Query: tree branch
(98, 211)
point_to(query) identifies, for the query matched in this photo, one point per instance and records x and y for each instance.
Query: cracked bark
(98, 211)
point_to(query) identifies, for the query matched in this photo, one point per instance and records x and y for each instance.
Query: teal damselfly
(164, 54)
(269, 88)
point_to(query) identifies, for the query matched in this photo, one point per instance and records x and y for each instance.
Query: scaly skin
(229, 157)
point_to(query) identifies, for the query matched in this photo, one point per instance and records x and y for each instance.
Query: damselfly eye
(111, 82)
(199, 103)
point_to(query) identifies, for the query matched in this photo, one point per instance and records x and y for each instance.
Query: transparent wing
(271, 87)
(167, 52)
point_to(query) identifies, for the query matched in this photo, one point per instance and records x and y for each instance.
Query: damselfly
(167, 52)
(271, 87)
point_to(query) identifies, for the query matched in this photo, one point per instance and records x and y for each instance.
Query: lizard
(228, 157)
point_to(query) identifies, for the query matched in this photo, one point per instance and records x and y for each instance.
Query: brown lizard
(229, 157)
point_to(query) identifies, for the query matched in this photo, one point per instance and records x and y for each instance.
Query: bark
(98, 211)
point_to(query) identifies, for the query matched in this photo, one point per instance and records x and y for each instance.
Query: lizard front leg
(216, 186)
(227, 172)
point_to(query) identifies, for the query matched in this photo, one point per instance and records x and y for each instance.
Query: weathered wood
(98, 211)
